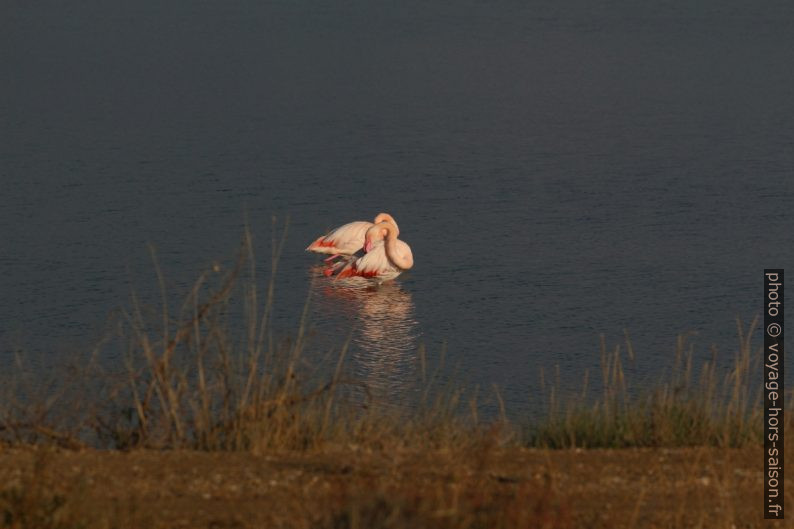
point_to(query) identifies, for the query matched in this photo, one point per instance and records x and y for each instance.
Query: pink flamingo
(386, 257)
(346, 239)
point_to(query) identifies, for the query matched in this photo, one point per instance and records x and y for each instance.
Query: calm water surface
(559, 169)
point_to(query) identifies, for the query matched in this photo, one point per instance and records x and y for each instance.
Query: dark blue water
(560, 170)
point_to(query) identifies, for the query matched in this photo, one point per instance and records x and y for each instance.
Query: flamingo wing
(375, 264)
(344, 240)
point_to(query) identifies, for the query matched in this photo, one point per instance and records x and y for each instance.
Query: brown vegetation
(204, 429)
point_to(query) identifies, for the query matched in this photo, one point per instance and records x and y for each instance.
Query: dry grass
(198, 379)
(190, 380)
(680, 410)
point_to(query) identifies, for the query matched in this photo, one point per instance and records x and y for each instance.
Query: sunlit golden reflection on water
(385, 331)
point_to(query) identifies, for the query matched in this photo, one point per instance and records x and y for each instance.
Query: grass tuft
(682, 410)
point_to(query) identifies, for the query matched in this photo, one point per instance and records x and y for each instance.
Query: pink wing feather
(344, 240)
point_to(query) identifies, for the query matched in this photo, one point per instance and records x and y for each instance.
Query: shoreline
(340, 487)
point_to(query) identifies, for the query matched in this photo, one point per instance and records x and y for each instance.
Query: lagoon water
(560, 169)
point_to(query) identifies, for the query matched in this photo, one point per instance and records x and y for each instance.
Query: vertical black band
(773, 394)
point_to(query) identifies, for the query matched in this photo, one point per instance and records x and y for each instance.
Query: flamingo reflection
(385, 335)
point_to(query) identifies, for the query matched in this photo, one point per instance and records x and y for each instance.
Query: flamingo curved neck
(385, 217)
(393, 253)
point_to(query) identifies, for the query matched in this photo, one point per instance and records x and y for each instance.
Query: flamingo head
(375, 234)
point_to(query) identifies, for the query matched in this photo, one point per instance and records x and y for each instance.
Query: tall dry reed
(683, 408)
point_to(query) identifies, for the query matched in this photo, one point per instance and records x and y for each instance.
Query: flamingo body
(386, 258)
(346, 239)
(376, 264)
